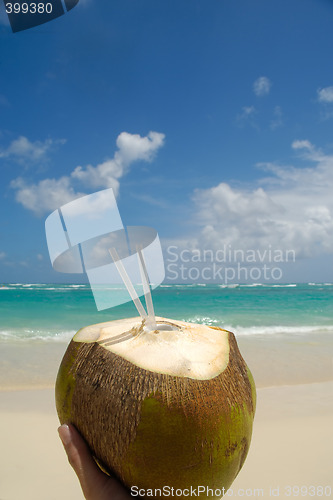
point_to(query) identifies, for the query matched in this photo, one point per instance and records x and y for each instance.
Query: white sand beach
(291, 447)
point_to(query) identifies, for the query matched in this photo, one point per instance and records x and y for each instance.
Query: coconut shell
(153, 429)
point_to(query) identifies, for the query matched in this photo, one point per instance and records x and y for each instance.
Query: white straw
(130, 288)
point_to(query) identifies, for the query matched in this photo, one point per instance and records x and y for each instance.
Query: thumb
(92, 479)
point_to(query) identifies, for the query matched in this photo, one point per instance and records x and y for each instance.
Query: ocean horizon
(54, 312)
(284, 331)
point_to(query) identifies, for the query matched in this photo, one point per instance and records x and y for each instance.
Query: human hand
(94, 483)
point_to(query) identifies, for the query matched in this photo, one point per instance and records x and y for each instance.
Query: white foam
(284, 286)
(36, 336)
(280, 329)
(250, 285)
(203, 320)
(262, 329)
(320, 284)
(53, 288)
(232, 285)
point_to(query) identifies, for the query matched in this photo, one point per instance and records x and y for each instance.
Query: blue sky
(211, 120)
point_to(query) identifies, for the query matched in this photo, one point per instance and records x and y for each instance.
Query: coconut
(160, 407)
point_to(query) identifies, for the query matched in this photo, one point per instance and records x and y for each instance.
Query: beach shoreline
(274, 360)
(285, 335)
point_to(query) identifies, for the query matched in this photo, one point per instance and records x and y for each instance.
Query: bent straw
(130, 288)
(146, 288)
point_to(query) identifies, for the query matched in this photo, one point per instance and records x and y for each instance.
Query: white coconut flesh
(174, 347)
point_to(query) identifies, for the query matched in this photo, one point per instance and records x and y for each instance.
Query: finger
(91, 478)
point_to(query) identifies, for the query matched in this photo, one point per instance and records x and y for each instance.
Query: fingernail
(65, 434)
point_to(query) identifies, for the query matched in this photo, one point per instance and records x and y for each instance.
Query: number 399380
(28, 8)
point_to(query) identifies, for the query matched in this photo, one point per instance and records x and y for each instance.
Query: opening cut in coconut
(174, 347)
(160, 327)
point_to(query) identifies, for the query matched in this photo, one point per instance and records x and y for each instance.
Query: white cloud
(291, 209)
(49, 194)
(262, 86)
(247, 116)
(325, 94)
(277, 120)
(131, 147)
(2, 255)
(22, 149)
(303, 144)
(105, 174)
(309, 151)
(248, 111)
(45, 196)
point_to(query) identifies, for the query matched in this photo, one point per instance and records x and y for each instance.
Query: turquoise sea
(48, 312)
(285, 332)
